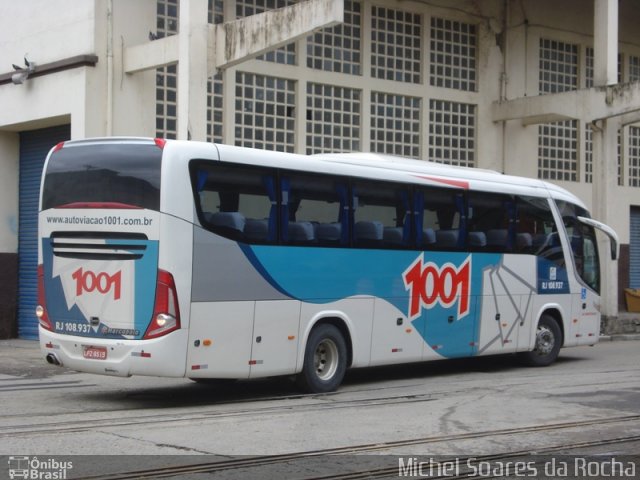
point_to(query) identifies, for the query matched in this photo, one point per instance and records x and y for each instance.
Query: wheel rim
(326, 359)
(545, 340)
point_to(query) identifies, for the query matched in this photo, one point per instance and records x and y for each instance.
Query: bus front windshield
(584, 247)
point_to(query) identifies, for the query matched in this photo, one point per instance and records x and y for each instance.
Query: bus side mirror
(608, 231)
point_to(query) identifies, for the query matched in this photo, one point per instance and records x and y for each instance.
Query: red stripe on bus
(446, 181)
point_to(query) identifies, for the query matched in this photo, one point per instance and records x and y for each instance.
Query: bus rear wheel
(547, 344)
(325, 360)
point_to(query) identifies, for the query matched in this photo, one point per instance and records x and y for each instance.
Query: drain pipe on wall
(503, 79)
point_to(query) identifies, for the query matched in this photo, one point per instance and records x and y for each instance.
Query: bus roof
(478, 177)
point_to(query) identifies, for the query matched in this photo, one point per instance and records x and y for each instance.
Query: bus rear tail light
(166, 313)
(41, 309)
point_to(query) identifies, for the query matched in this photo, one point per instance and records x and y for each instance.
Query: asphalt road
(464, 417)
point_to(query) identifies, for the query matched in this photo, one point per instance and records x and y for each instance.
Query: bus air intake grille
(98, 246)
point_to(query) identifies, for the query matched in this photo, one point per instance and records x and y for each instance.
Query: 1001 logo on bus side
(430, 285)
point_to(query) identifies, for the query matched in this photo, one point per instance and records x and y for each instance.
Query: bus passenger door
(220, 339)
(275, 338)
(585, 318)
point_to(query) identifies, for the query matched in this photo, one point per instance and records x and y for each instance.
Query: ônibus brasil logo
(429, 284)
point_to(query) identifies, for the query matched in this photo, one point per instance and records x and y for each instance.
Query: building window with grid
(588, 154)
(588, 66)
(452, 133)
(214, 109)
(396, 37)
(588, 148)
(167, 101)
(557, 151)
(634, 156)
(557, 142)
(634, 68)
(264, 112)
(453, 55)
(166, 77)
(620, 157)
(395, 124)
(633, 134)
(214, 85)
(245, 8)
(558, 66)
(333, 119)
(216, 11)
(338, 49)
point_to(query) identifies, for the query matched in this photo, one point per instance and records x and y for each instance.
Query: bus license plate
(95, 353)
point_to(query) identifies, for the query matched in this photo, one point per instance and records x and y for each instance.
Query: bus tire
(325, 360)
(547, 345)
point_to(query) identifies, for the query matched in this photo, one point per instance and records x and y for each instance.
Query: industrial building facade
(535, 88)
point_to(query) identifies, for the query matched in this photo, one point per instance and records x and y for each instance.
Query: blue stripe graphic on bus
(439, 292)
(107, 298)
(146, 271)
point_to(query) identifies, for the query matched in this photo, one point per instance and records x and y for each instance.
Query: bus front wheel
(325, 360)
(547, 344)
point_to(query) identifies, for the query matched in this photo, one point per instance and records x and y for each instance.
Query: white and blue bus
(188, 259)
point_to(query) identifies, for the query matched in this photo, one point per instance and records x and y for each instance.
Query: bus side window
(381, 215)
(237, 202)
(314, 210)
(440, 222)
(491, 222)
(536, 231)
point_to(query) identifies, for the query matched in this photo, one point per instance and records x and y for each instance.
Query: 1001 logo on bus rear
(88, 282)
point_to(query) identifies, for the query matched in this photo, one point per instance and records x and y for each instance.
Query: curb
(620, 337)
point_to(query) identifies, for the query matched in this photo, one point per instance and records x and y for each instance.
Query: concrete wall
(134, 95)
(46, 32)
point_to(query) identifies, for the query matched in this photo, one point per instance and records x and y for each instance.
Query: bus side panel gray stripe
(218, 258)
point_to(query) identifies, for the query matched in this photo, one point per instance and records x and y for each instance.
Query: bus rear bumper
(164, 356)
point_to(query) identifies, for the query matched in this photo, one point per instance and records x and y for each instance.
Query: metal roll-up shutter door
(634, 248)
(34, 146)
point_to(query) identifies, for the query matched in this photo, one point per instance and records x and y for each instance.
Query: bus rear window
(109, 173)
